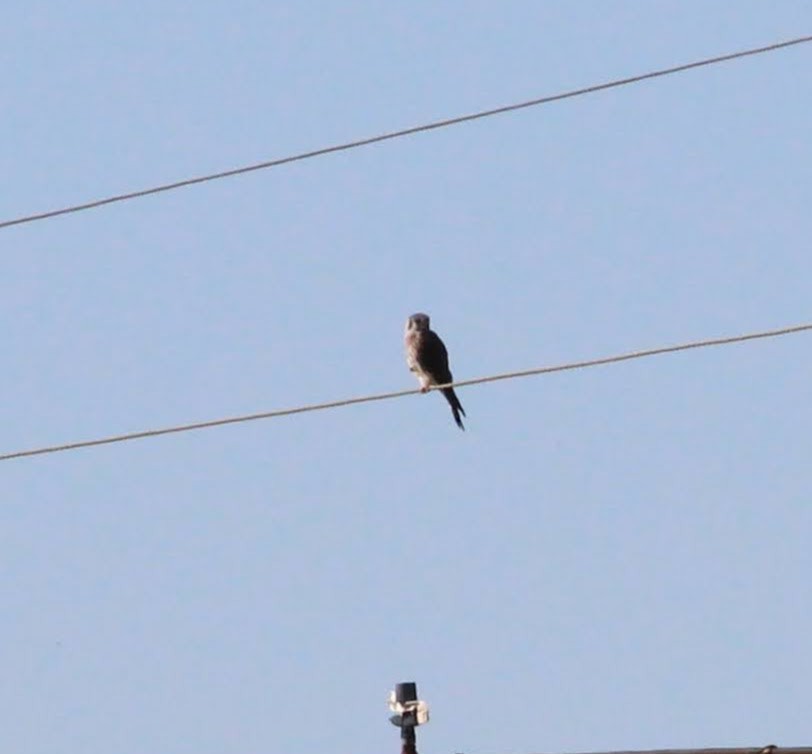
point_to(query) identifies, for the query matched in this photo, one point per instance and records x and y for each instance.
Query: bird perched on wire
(427, 357)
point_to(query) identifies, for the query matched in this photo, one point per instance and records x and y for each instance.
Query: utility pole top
(409, 713)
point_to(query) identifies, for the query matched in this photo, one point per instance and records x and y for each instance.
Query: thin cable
(402, 393)
(403, 132)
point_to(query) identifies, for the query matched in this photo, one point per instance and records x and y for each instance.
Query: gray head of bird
(419, 322)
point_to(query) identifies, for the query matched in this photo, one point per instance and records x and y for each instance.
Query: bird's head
(418, 322)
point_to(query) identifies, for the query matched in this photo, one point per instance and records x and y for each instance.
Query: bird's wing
(433, 358)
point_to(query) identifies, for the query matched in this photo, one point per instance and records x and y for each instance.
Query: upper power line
(400, 393)
(403, 132)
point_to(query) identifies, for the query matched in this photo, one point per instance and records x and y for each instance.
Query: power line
(768, 749)
(403, 132)
(401, 393)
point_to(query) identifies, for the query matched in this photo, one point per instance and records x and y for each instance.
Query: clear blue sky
(614, 558)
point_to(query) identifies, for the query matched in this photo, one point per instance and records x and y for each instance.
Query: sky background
(612, 558)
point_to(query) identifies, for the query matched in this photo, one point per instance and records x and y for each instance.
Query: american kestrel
(427, 357)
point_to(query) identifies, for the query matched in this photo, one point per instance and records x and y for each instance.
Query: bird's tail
(456, 406)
